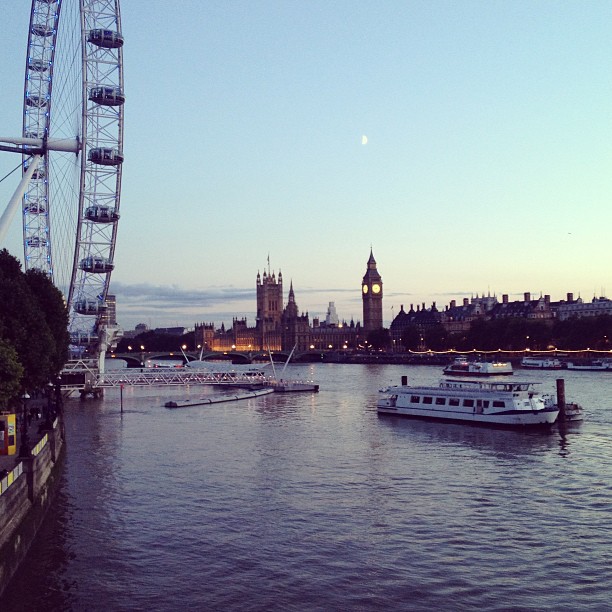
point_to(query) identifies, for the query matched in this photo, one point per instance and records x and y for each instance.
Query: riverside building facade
(281, 326)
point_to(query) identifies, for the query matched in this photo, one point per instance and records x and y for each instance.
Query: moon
(364, 140)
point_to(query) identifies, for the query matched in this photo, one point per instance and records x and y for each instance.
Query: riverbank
(27, 488)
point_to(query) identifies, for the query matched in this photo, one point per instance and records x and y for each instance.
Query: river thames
(314, 502)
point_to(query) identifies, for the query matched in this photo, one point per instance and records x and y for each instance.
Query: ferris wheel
(72, 154)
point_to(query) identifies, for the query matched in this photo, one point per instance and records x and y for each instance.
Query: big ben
(372, 296)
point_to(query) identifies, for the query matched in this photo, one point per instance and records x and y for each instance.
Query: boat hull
(597, 366)
(513, 419)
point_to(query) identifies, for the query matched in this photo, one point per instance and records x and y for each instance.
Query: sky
(468, 143)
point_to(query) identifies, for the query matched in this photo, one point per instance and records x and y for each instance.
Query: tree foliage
(11, 372)
(33, 322)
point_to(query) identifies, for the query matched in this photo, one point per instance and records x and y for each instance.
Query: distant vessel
(595, 365)
(502, 404)
(540, 363)
(462, 367)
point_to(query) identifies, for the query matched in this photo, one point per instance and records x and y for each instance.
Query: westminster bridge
(139, 359)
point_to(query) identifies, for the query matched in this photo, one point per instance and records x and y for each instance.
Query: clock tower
(372, 296)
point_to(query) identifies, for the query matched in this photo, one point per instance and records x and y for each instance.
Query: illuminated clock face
(365, 288)
(376, 288)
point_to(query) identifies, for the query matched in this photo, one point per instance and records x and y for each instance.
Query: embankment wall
(25, 496)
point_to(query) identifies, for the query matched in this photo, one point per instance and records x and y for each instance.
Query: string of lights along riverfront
(314, 502)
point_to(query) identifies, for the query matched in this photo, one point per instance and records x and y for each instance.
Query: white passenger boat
(595, 365)
(541, 363)
(502, 404)
(462, 367)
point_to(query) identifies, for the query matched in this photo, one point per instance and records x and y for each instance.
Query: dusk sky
(468, 143)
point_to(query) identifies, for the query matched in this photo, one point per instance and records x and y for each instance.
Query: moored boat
(541, 363)
(594, 365)
(462, 367)
(501, 404)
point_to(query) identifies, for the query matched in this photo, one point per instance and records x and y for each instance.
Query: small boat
(462, 367)
(539, 363)
(594, 365)
(498, 404)
(571, 412)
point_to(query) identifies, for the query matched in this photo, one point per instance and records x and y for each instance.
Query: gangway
(173, 377)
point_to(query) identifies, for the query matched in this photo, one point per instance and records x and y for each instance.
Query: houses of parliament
(280, 326)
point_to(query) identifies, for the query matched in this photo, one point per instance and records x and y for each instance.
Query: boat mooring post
(561, 398)
(121, 396)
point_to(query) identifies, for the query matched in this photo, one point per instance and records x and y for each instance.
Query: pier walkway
(176, 376)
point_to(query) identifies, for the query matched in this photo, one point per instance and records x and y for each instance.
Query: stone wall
(25, 496)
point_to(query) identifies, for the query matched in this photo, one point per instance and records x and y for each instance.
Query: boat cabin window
(415, 399)
(468, 403)
(499, 404)
(428, 400)
(440, 401)
(453, 401)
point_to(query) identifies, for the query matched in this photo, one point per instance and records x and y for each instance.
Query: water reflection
(503, 443)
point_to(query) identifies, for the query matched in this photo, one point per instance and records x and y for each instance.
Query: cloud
(173, 305)
(173, 294)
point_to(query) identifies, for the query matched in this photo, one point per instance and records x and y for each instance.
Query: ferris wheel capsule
(96, 265)
(41, 29)
(108, 39)
(105, 156)
(107, 96)
(101, 214)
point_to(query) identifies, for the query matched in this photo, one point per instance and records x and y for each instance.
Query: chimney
(547, 299)
(466, 301)
(505, 298)
(453, 304)
(570, 297)
(527, 296)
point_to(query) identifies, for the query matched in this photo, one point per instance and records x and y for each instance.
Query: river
(314, 502)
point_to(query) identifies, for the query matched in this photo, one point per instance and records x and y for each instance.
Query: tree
(411, 338)
(51, 305)
(11, 372)
(379, 339)
(24, 326)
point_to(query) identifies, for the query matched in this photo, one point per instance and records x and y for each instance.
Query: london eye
(72, 155)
